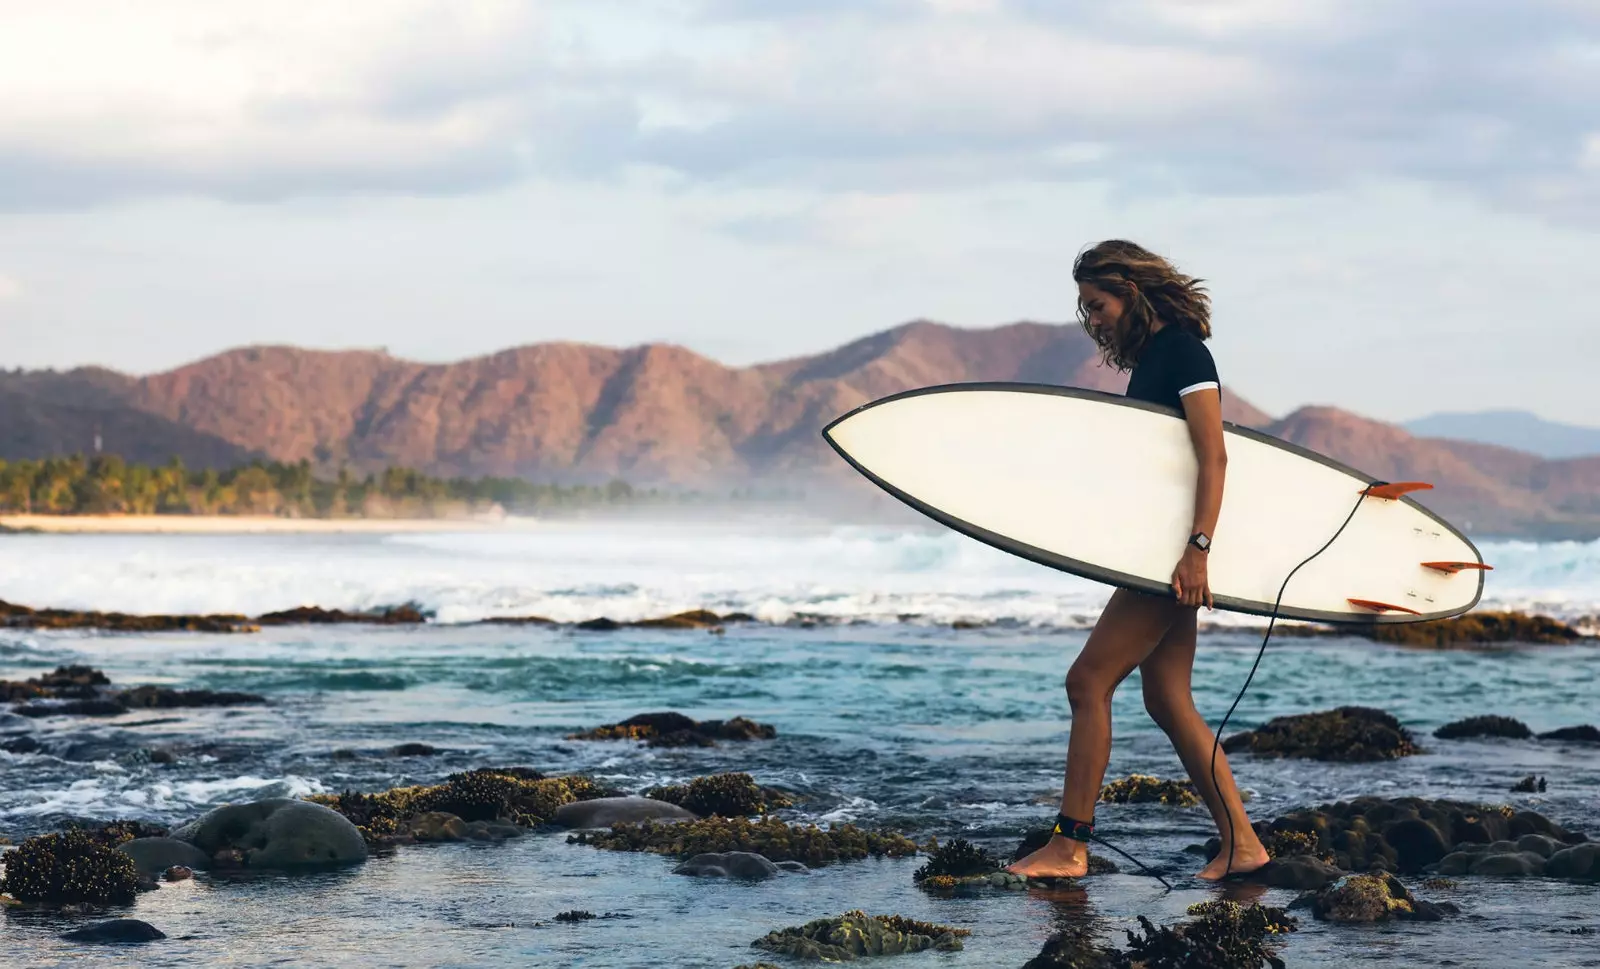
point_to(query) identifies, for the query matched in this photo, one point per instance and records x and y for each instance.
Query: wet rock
(606, 811)
(729, 795)
(693, 619)
(57, 708)
(1529, 785)
(1226, 935)
(21, 745)
(1394, 833)
(407, 614)
(151, 856)
(436, 826)
(160, 697)
(601, 625)
(115, 932)
(958, 859)
(1474, 629)
(855, 934)
(576, 915)
(1580, 862)
(1352, 734)
(413, 750)
(1485, 726)
(1301, 872)
(519, 795)
(729, 864)
(1582, 734)
(178, 873)
(1145, 789)
(1539, 844)
(1369, 898)
(26, 618)
(1508, 864)
(671, 729)
(69, 869)
(492, 831)
(776, 840)
(277, 833)
(793, 866)
(62, 683)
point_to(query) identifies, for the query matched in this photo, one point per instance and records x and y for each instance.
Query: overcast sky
(1397, 202)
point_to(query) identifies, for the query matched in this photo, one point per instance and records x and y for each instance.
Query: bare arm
(1203, 411)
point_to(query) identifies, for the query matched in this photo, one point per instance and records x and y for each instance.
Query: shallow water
(912, 726)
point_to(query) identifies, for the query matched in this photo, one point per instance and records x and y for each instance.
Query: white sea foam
(576, 571)
(115, 794)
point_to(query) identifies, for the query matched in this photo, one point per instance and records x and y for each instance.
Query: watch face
(1202, 542)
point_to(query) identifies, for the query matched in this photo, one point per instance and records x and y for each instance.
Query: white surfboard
(1103, 487)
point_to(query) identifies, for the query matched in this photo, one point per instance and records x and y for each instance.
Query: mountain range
(662, 414)
(1517, 429)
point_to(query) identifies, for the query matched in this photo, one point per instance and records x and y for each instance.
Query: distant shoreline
(250, 524)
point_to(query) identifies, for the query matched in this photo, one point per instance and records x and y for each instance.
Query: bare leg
(1129, 628)
(1168, 697)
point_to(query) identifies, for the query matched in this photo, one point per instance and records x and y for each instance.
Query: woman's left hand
(1189, 579)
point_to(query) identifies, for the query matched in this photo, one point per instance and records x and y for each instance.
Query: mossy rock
(1145, 789)
(847, 937)
(673, 729)
(730, 795)
(1350, 734)
(770, 837)
(1484, 726)
(515, 794)
(69, 869)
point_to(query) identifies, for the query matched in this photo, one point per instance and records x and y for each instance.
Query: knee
(1085, 688)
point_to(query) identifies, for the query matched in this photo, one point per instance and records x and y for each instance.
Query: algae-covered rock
(1372, 898)
(672, 729)
(770, 837)
(1484, 726)
(516, 794)
(69, 869)
(957, 858)
(732, 795)
(1350, 734)
(1145, 789)
(855, 934)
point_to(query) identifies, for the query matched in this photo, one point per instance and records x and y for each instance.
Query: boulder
(1507, 864)
(731, 864)
(153, 856)
(603, 812)
(1579, 861)
(115, 932)
(1355, 734)
(436, 826)
(278, 833)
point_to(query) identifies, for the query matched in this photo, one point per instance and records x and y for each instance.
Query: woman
(1149, 318)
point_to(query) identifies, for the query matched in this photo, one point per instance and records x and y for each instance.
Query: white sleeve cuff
(1202, 385)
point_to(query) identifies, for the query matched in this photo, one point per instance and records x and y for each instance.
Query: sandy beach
(249, 524)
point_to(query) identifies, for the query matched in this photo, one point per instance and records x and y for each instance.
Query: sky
(1395, 203)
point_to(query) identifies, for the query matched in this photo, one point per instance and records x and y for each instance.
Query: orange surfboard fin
(1380, 606)
(1393, 489)
(1454, 567)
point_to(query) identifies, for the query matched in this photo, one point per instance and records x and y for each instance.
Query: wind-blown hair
(1150, 288)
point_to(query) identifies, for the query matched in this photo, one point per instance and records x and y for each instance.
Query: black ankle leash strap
(1083, 831)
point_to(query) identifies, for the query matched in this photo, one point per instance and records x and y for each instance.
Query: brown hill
(662, 414)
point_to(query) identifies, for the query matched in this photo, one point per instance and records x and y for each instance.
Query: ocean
(914, 678)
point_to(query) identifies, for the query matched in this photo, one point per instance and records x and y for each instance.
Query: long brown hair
(1150, 288)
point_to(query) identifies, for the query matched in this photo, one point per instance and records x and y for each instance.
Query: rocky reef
(1350, 734)
(1145, 789)
(769, 836)
(1221, 935)
(69, 869)
(1371, 898)
(1473, 630)
(672, 729)
(855, 934)
(516, 795)
(86, 691)
(732, 795)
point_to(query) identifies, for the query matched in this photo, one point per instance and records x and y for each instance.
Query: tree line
(106, 484)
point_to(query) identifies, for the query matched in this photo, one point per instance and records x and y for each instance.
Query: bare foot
(1246, 859)
(1059, 858)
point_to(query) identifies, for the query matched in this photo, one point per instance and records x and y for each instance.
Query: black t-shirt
(1173, 362)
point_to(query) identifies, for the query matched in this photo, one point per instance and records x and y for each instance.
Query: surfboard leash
(1216, 740)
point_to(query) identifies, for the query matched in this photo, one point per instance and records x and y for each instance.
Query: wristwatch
(1201, 541)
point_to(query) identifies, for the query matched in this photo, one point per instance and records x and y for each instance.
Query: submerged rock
(671, 729)
(606, 811)
(277, 833)
(1583, 734)
(854, 934)
(1579, 862)
(1352, 734)
(153, 856)
(1529, 785)
(729, 864)
(1485, 726)
(116, 932)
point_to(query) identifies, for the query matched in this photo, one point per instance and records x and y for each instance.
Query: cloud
(257, 100)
